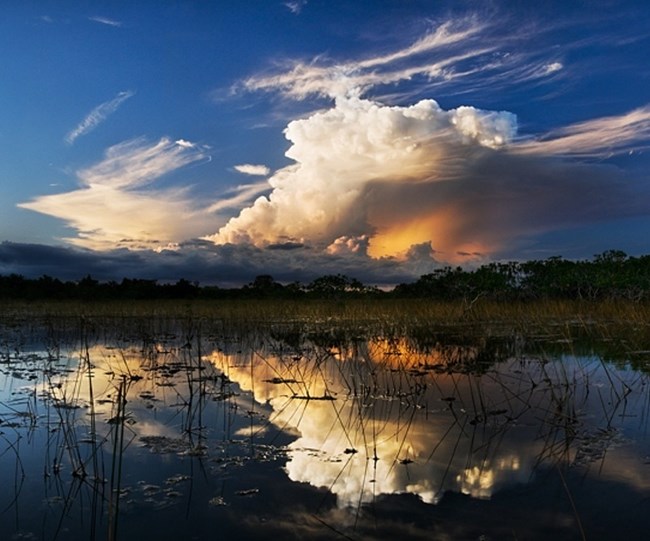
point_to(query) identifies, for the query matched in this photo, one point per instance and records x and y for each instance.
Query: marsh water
(191, 429)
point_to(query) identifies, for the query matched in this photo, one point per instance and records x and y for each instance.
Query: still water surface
(287, 433)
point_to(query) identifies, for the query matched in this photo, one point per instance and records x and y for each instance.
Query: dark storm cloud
(502, 198)
(227, 265)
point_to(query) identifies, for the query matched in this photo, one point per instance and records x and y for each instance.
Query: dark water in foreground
(283, 434)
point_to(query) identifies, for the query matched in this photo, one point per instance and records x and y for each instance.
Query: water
(281, 434)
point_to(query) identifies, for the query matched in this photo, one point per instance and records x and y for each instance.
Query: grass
(402, 310)
(622, 321)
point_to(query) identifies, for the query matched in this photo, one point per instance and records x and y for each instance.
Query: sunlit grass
(623, 327)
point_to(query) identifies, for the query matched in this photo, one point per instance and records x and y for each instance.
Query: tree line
(610, 275)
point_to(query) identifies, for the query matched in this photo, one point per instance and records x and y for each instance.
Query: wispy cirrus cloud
(115, 206)
(295, 6)
(456, 51)
(595, 138)
(135, 163)
(98, 115)
(239, 196)
(321, 76)
(552, 67)
(106, 21)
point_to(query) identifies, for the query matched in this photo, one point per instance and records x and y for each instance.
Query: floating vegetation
(248, 492)
(164, 444)
(592, 447)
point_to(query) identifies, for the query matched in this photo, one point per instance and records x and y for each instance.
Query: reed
(410, 391)
(352, 309)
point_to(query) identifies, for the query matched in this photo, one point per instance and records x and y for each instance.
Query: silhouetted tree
(610, 275)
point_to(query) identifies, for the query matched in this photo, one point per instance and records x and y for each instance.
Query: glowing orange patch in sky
(439, 228)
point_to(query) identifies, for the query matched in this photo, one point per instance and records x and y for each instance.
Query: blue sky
(220, 140)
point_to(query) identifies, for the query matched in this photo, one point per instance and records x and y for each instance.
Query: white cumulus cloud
(253, 170)
(340, 153)
(375, 179)
(553, 67)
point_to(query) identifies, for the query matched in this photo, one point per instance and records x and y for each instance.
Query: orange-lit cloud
(342, 153)
(369, 180)
(377, 440)
(380, 179)
(439, 228)
(115, 205)
(377, 179)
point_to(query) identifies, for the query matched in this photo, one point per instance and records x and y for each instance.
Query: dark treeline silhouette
(610, 275)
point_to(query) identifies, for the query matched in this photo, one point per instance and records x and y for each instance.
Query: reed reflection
(381, 417)
(119, 426)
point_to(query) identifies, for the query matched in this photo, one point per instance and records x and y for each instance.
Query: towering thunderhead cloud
(460, 179)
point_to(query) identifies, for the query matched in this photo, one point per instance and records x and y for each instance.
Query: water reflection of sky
(382, 418)
(362, 421)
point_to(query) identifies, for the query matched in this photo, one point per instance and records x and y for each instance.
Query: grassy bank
(360, 311)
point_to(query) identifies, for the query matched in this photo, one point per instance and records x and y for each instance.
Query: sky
(217, 141)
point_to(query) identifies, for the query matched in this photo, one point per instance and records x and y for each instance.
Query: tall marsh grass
(344, 309)
(604, 317)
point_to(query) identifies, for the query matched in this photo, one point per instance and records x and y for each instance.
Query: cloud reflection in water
(380, 416)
